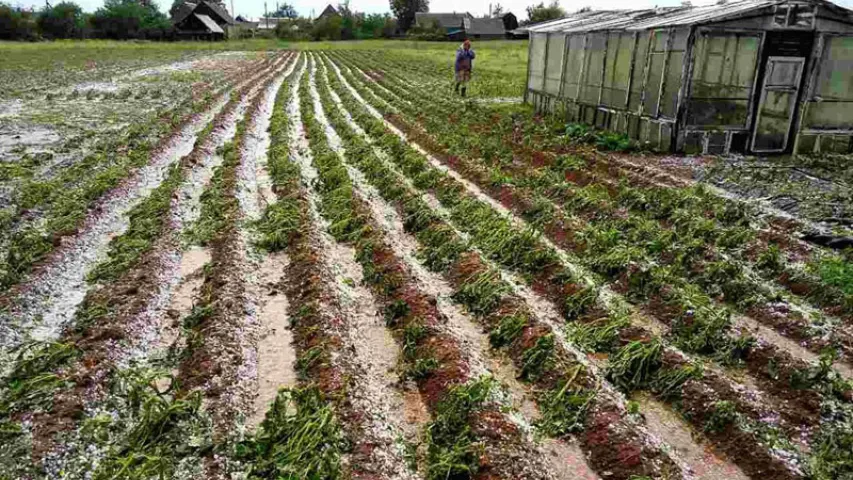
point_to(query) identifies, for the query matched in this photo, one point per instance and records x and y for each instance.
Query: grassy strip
(563, 283)
(568, 392)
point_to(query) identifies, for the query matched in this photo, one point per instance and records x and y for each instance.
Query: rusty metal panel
(554, 63)
(537, 62)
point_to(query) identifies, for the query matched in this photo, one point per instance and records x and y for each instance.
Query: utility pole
(267, 15)
(233, 13)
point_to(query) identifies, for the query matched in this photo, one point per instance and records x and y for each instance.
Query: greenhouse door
(782, 80)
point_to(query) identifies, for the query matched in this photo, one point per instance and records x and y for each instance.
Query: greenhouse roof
(663, 17)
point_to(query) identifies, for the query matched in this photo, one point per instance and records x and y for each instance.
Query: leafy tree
(497, 11)
(17, 24)
(541, 13)
(427, 31)
(285, 11)
(405, 11)
(120, 19)
(63, 20)
(328, 28)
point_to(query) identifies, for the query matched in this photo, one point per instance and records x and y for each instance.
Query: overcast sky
(255, 8)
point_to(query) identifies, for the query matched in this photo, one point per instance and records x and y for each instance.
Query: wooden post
(684, 90)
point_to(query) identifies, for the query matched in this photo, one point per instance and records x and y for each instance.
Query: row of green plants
(724, 223)
(684, 251)
(567, 390)
(161, 427)
(708, 329)
(302, 435)
(431, 358)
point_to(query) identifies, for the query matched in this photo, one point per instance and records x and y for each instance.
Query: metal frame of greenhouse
(765, 77)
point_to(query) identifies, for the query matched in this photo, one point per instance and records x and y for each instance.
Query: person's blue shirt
(464, 59)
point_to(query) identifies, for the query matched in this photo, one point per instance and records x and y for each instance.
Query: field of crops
(322, 264)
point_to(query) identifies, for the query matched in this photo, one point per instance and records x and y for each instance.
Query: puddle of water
(699, 458)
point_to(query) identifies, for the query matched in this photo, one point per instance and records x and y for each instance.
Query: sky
(255, 8)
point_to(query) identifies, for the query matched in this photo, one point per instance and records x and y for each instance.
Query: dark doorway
(781, 78)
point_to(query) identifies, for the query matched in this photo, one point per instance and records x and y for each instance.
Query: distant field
(245, 261)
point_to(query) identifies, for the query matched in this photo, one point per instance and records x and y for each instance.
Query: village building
(750, 76)
(458, 26)
(203, 20)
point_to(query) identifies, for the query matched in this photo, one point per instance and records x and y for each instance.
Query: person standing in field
(464, 63)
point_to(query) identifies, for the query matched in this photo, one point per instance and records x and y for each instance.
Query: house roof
(445, 20)
(328, 11)
(220, 10)
(209, 23)
(633, 20)
(183, 12)
(188, 8)
(487, 26)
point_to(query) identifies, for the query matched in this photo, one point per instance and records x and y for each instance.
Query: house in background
(748, 76)
(510, 21)
(329, 11)
(459, 26)
(204, 20)
(452, 23)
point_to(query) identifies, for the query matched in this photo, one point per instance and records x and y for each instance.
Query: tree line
(117, 19)
(142, 19)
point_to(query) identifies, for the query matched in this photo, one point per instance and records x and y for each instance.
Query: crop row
(509, 143)
(45, 211)
(616, 327)
(51, 385)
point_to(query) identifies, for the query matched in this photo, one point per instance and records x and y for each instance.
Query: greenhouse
(753, 76)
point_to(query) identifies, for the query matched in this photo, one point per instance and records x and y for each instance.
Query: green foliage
(482, 292)
(508, 330)
(157, 428)
(536, 359)
(34, 377)
(404, 11)
(17, 23)
(668, 381)
(451, 445)
(601, 335)
(123, 19)
(541, 13)
(278, 224)
(832, 449)
(724, 414)
(63, 20)
(300, 438)
(565, 407)
(836, 270)
(147, 220)
(635, 365)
